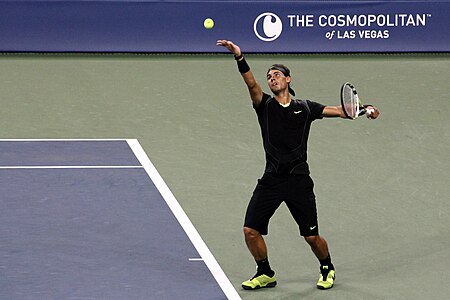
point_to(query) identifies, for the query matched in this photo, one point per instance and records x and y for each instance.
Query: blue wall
(258, 26)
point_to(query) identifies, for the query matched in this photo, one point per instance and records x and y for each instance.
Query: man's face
(277, 81)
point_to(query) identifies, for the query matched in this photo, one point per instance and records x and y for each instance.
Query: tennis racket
(351, 105)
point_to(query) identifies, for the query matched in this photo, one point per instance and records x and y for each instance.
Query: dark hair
(282, 68)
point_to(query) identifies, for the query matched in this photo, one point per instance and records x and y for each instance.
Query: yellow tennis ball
(208, 23)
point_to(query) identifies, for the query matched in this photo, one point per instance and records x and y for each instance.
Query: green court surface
(382, 186)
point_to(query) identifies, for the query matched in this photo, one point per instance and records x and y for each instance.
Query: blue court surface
(92, 219)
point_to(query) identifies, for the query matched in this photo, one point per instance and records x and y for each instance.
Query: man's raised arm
(253, 86)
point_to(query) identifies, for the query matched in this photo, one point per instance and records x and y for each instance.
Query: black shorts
(295, 190)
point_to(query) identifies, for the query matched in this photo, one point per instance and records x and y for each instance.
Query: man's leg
(319, 247)
(302, 205)
(255, 244)
(265, 276)
(263, 204)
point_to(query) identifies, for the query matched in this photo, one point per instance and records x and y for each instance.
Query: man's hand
(372, 112)
(230, 46)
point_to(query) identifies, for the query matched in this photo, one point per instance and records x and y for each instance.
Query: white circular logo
(268, 26)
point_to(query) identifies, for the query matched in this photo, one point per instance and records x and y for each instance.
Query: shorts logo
(268, 26)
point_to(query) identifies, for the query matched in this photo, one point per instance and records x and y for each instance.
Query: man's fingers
(230, 46)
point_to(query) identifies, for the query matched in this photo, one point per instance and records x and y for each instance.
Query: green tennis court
(382, 186)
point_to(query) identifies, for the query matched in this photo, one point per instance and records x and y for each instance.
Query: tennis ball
(208, 23)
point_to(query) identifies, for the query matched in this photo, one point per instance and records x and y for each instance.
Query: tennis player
(285, 123)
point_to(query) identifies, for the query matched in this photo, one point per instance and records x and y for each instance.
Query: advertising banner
(258, 26)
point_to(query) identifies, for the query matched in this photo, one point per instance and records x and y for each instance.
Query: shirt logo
(297, 112)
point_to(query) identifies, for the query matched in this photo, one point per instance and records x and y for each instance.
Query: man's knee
(250, 233)
(312, 240)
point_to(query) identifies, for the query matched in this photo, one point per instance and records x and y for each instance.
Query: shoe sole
(324, 288)
(269, 285)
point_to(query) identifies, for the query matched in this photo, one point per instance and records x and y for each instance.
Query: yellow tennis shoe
(326, 279)
(259, 281)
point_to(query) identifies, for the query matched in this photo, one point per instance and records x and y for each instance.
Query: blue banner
(257, 26)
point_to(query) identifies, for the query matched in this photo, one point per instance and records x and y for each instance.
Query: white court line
(195, 259)
(184, 221)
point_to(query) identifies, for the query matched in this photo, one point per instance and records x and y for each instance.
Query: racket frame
(360, 110)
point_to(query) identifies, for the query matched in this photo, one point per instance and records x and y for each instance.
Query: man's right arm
(253, 86)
